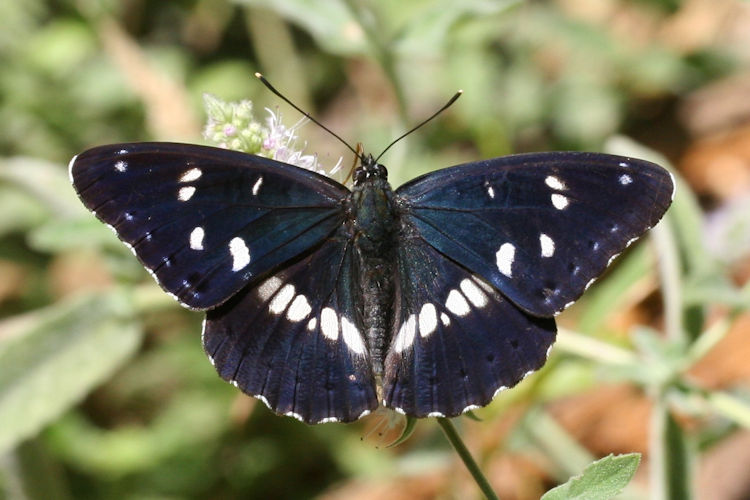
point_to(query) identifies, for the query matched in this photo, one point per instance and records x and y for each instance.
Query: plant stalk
(463, 452)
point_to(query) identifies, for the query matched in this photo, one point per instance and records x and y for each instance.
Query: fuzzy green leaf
(52, 358)
(603, 479)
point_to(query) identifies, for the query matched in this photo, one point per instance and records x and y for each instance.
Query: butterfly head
(369, 168)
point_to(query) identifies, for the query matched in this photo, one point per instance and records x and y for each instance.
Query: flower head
(231, 125)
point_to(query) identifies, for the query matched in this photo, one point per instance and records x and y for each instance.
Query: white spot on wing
(435, 414)
(295, 416)
(240, 253)
(591, 282)
(405, 335)
(263, 400)
(548, 245)
(191, 175)
(312, 324)
(625, 179)
(196, 238)
(363, 414)
(352, 337)
(256, 186)
(445, 319)
(504, 256)
(559, 201)
(282, 299)
(329, 323)
(555, 183)
(473, 293)
(185, 193)
(427, 319)
(612, 258)
(70, 168)
(269, 287)
(624, 164)
(499, 390)
(456, 303)
(671, 176)
(121, 166)
(491, 192)
(299, 309)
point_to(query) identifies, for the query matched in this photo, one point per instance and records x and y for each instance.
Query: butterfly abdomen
(373, 218)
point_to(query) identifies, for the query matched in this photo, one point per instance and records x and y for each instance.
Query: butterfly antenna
(307, 115)
(446, 106)
(360, 152)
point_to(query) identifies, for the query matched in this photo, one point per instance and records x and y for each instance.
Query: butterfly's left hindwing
(538, 227)
(294, 340)
(204, 221)
(456, 340)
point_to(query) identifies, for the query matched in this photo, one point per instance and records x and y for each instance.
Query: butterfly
(325, 302)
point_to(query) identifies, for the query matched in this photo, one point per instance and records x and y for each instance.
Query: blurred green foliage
(104, 389)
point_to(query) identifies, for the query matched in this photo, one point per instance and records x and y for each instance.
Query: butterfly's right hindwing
(204, 221)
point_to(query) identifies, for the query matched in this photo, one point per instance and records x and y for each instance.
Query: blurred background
(104, 388)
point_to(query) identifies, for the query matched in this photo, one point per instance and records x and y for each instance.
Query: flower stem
(463, 452)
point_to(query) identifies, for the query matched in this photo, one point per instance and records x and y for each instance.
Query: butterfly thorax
(372, 217)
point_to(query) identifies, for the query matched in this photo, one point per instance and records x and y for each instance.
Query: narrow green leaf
(678, 467)
(603, 479)
(51, 358)
(609, 294)
(670, 456)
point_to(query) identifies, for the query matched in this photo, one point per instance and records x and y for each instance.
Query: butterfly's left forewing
(204, 221)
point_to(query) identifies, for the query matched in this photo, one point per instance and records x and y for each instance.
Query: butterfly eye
(359, 176)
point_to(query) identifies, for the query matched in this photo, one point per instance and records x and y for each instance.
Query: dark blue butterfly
(325, 302)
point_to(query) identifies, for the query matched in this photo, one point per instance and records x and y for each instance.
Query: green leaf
(43, 180)
(678, 469)
(426, 30)
(603, 479)
(72, 234)
(52, 358)
(330, 22)
(18, 211)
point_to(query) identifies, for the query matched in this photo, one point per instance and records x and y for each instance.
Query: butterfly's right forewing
(539, 227)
